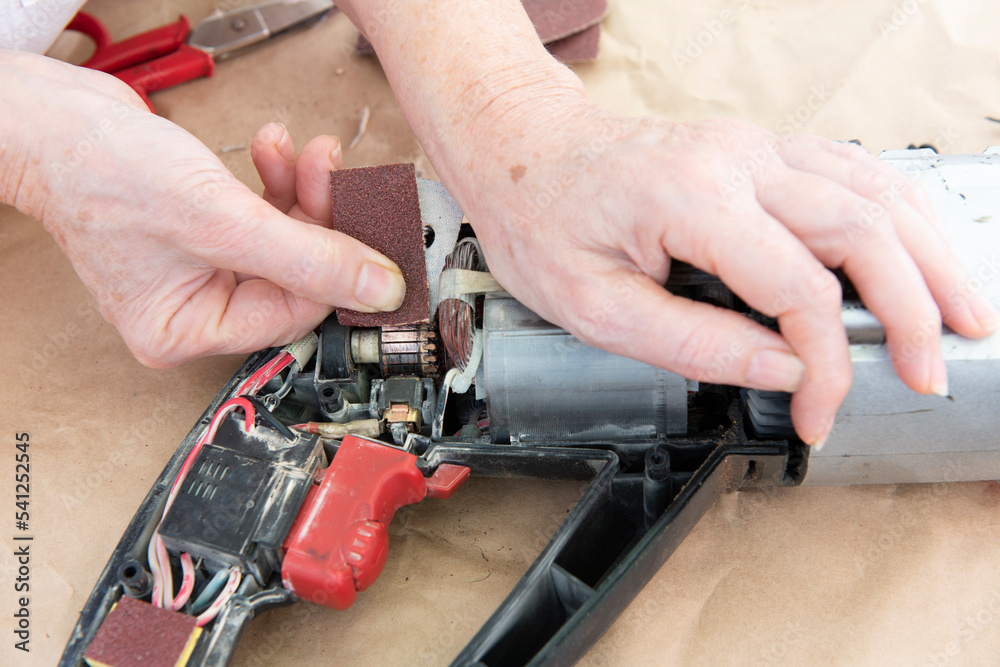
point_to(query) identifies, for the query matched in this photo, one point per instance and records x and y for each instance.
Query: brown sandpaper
(137, 633)
(579, 47)
(379, 206)
(554, 21)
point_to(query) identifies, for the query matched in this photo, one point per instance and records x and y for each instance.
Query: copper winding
(456, 318)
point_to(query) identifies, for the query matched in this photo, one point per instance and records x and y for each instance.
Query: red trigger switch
(338, 543)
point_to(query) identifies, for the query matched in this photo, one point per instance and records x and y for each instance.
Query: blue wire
(211, 589)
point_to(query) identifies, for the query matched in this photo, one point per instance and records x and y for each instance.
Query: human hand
(581, 214)
(182, 257)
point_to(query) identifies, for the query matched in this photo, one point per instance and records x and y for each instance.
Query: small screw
(239, 25)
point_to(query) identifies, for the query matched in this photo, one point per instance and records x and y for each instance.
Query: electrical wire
(166, 571)
(265, 374)
(156, 597)
(187, 583)
(286, 386)
(159, 560)
(210, 590)
(156, 553)
(438, 425)
(213, 610)
(269, 417)
(457, 381)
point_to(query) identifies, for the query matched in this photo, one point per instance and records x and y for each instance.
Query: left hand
(580, 214)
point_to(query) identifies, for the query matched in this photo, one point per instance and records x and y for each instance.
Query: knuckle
(868, 181)
(594, 325)
(161, 348)
(822, 287)
(154, 353)
(848, 150)
(697, 356)
(597, 317)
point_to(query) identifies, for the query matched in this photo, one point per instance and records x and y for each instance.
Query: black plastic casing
(240, 497)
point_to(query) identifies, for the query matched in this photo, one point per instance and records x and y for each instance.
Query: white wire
(461, 384)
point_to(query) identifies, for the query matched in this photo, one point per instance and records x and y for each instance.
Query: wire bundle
(159, 559)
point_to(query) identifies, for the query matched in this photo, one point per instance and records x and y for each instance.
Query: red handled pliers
(172, 54)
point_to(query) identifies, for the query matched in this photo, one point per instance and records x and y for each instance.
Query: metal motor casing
(543, 384)
(885, 433)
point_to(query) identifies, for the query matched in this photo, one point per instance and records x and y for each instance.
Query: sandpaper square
(556, 19)
(379, 206)
(579, 47)
(137, 633)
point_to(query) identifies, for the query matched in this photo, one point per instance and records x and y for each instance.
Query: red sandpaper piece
(577, 48)
(137, 633)
(379, 206)
(555, 19)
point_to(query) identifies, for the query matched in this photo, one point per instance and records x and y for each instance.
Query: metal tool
(173, 54)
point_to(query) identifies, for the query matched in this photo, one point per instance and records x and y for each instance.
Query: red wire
(265, 374)
(250, 415)
(187, 582)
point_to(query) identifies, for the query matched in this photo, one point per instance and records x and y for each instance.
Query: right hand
(580, 213)
(181, 256)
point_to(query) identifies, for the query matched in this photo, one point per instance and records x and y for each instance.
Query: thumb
(310, 261)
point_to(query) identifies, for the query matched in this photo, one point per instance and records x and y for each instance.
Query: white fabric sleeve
(33, 25)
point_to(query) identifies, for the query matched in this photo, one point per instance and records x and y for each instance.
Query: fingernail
(335, 153)
(817, 443)
(985, 313)
(380, 288)
(284, 145)
(775, 370)
(939, 375)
